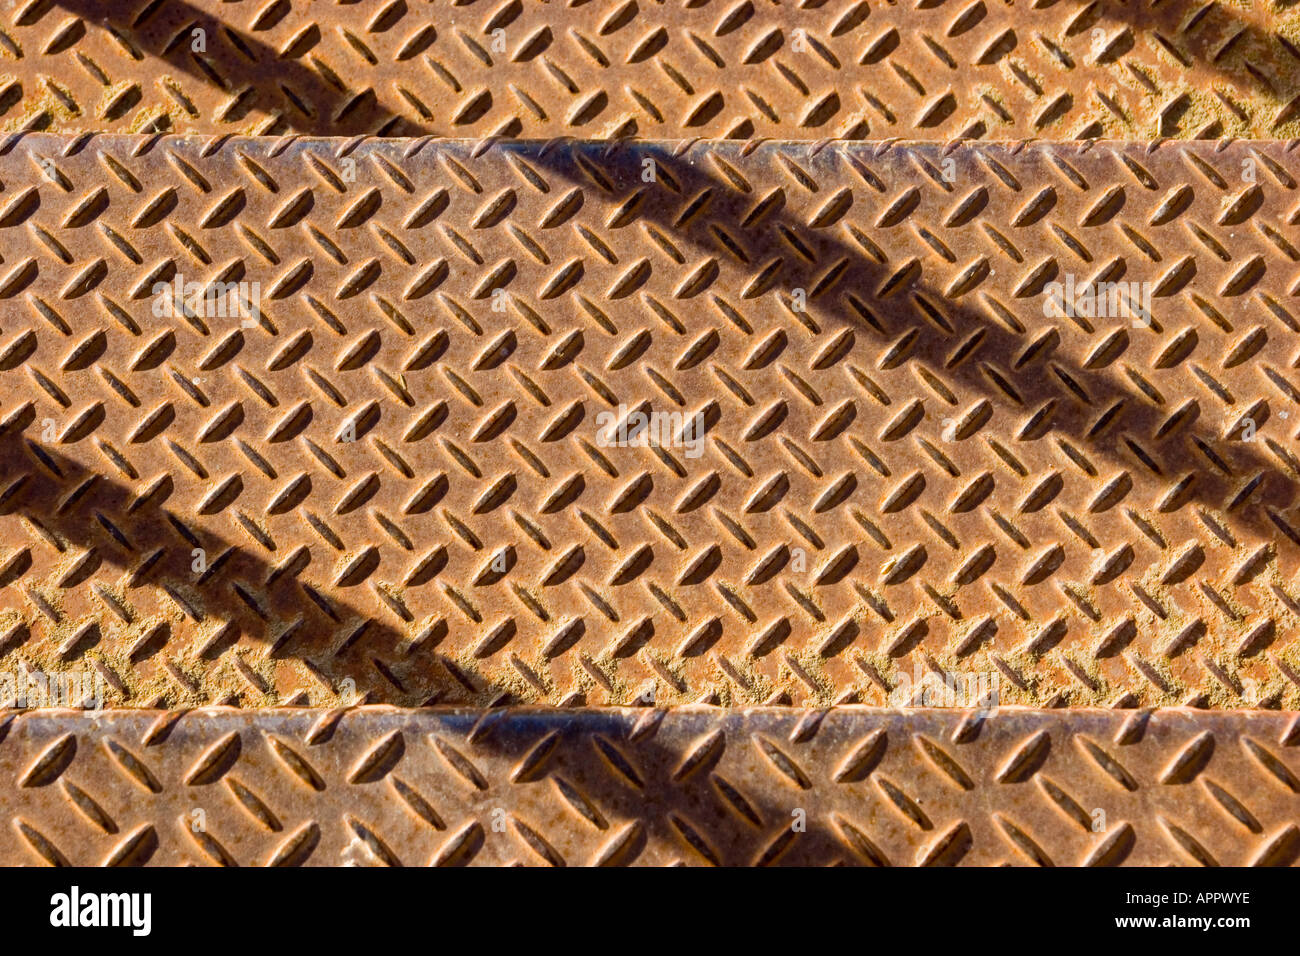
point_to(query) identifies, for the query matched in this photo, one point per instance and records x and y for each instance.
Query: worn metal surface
(391, 485)
(935, 70)
(614, 787)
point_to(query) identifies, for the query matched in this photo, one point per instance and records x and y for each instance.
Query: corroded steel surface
(940, 69)
(614, 787)
(389, 483)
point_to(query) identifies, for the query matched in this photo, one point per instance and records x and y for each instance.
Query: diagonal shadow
(627, 778)
(1164, 447)
(79, 510)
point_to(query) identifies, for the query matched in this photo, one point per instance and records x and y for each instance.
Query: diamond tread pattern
(374, 786)
(937, 70)
(391, 485)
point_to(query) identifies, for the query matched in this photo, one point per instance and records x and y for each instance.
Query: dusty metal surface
(935, 70)
(614, 787)
(394, 483)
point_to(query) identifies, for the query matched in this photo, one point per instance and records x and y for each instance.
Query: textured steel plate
(687, 785)
(939, 69)
(390, 485)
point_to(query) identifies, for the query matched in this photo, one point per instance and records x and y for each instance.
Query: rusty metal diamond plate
(944, 70)
(701, 786)
(389, 482)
